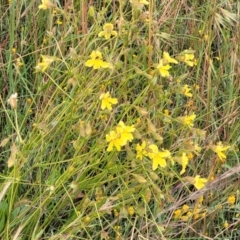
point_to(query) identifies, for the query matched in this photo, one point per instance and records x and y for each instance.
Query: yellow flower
(177, 213)
(196, 216)
(120, 136)
(167, 116)
(130, 210)
(107, 101)
(115, 212)
(58, 22)
(107, 31)
(166, 112)
(45, 63)
(19, 63)
(188, 58)
(125, 132)
(199, 182)
(187, 120)
(225, 224)
(168, 59)
(231, 199)
(190, 156)
(46, 4)
(114, 141)
(200, 200)
(185, 208)
(158, 158)
(184, 218)
(220, 149)
(96, 61)
(186, 91)
(163, 69)
(189, 214)
(197, 148)
(196, 210)
(141, 150)
(184, 161)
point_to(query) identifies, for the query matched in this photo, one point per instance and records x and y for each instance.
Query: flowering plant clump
(122, 118)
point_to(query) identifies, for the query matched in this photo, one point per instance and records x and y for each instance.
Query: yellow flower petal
(168, 59)
(199, 182)
(163, 69)
(107, 101)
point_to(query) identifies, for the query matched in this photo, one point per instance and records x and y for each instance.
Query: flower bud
(12, 101)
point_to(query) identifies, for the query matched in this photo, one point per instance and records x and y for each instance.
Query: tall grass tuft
(119, 119)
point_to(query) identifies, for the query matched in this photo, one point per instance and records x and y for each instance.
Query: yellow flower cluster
(185, 213)
(163, 66)
(120, 136)
(187, 57)
(159, 157)
(96, 59)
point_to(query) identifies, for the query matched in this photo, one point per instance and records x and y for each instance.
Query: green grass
(58, 181)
